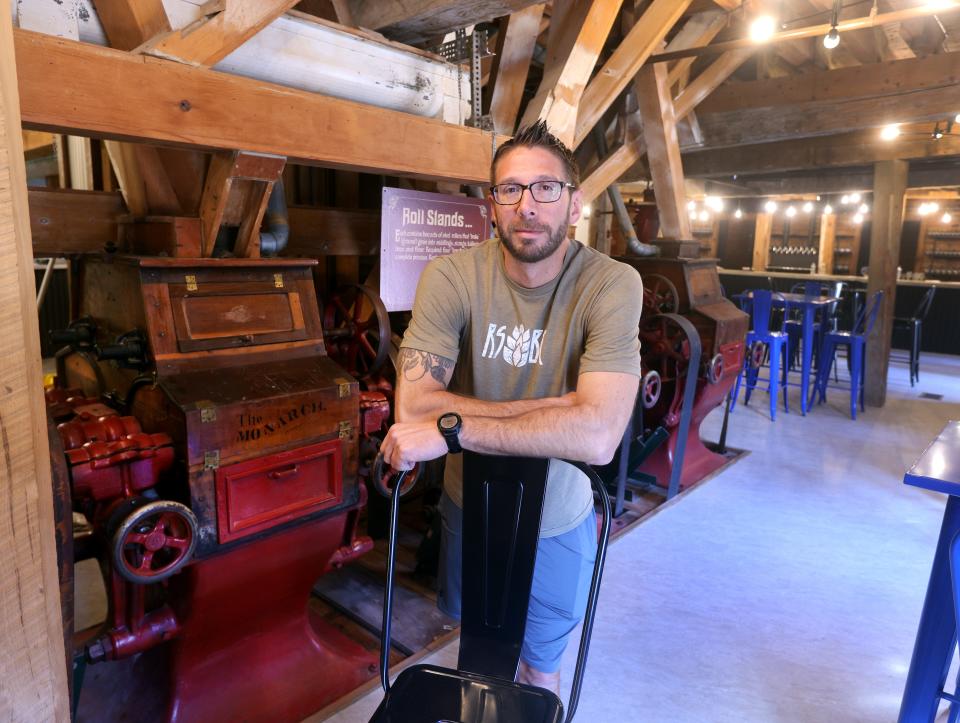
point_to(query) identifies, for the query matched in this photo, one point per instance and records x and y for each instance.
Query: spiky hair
(539, 136)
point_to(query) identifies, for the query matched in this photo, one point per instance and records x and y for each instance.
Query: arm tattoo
(415, 364)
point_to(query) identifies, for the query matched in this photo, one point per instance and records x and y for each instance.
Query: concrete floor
(787, 588)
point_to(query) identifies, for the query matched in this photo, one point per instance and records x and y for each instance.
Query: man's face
(531, 231)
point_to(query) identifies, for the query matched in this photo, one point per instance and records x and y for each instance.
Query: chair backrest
(807, 288)
(868, 314)
(760, 307)
(923, 308)
(502, 504)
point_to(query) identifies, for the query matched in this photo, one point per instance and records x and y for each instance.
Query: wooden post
(889, 187)
(828, 237)
(663, 150)
(33, 666)
(761, 241)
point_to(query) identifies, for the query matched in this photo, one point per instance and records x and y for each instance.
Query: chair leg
(783, 381)
(856, 374)
(915, 354)
(775, 350)
(752, 375)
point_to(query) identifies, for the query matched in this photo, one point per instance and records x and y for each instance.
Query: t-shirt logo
(519, 348)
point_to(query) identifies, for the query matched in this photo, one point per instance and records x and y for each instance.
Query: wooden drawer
(262, 493)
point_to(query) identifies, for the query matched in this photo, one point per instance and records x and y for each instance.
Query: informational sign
(419, 226)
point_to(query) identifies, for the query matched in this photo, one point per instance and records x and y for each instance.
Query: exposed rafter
(516, 41)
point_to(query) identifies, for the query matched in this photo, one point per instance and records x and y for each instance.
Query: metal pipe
(274, 239)
(45, 284)
(619, 207)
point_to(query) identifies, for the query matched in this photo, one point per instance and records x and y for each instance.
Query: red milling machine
(692, 345)
(220, 479)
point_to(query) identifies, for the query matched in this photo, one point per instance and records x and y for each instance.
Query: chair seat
(752, 335)
(428, 694)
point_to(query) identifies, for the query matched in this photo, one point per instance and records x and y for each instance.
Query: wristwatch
(449, 425)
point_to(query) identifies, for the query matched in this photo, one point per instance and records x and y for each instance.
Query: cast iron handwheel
(358, 339)
(382, 475)
(667, 351)
(154, 541)
(757, 353)
(659, 295)
(715, 369)
(650, 387)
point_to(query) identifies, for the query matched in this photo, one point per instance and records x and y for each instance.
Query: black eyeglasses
(508, 194)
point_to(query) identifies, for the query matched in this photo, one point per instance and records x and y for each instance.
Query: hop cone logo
(516, 349)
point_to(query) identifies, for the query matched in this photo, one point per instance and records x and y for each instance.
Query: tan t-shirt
(510, 343)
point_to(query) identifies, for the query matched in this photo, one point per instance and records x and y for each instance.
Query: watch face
(449, 421)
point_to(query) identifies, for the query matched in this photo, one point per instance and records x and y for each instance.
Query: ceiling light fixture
(770, 206)
(854, 198)
(844, 200)
(704, 216)
(937, 133)
(946, 218)
(762, 29)
(738, 213)
(827, 210)
(863, 208)
(807, 207)
(832, 39)
(691, 205)
(858, 218)
(791, 212)
(890, 131)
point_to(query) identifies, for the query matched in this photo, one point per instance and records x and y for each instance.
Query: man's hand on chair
(409, 442)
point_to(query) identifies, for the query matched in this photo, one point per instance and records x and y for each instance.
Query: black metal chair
(503, 501)
(913, 325)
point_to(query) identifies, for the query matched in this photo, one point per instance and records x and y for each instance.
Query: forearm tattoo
(414, 364)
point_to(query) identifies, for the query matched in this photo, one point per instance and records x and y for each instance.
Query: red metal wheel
(758, 351)
(650, 388)
(154, 541)
(666, 349)
(715, 369)
(356, 330)
(659, 295)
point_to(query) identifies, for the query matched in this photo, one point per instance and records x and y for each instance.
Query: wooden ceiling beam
(622, 66)
(515, 45)
(891, 44)
(559, 97)
(877, 79)
(845, 149)
(805, 120)
(116, 95)
(700, 29)
(416, 21)
(215, 35)
(130, 23)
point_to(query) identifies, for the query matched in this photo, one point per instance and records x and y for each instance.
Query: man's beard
(530, 252)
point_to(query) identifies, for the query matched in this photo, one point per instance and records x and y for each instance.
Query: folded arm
(584, 425)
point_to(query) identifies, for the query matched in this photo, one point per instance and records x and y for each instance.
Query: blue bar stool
(855, 341)
(938, 469)
(761, 339)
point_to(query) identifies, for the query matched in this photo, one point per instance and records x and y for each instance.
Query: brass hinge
(211, 460)
(343, 387)
(208, 412)
(191, 282)
(278, 280)
(346, 430)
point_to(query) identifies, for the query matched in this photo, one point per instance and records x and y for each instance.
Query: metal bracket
(211, 460)
(191, 282)
(345, 430)
(343, 387)
(278, 281)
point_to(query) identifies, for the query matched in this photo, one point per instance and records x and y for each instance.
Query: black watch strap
(449, 425)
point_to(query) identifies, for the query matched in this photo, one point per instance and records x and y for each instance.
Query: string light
(863, 208)
(587, 210)
(890, 132)
(691, 205)
(832, 39)
(946, 218)
(770, 206)
(858, 218)
(854, 198)
(738, 213)
(827, 210)
(762, 29)
(704, 215)
(791, 212)
(807, 207)
(844, 200)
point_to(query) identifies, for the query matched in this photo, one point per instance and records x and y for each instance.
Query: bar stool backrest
(502, 504)
(923, 308)
(761, 305)
(808, 288)
(868, 315)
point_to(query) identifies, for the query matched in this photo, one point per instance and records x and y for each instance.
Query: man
(524, 345)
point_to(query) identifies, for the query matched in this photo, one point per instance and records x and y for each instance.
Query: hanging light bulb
(827, 210)
(738, 213)
(854, 198)
(863, 208)
(704, 215)
(889, 132)
(946, 218)
(693, 212)
(691, 205)
(923, 209)
(807, 207)
(933, 206)
(791, 211)
(770, 206)
(831, 39)
(762, 29)
(844, 200)
(587, 210)
(858, 218)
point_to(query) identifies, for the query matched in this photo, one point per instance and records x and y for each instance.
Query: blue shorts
(561, 584)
